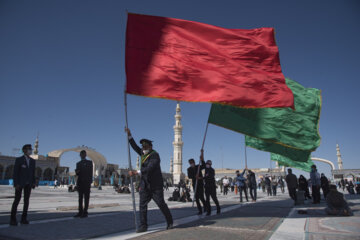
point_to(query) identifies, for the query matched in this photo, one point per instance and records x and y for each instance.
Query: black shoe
(78, 215)
(169, 226)
(13, 222)
(141, 229)
(218, 211)
(208, 214)
(199, 213)
(24, 221)
(84, 215)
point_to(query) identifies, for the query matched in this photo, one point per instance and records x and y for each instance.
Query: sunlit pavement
(111, 217)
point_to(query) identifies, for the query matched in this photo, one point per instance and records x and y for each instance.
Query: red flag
(190, 61)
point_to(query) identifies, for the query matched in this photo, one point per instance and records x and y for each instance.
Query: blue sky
(62, 75)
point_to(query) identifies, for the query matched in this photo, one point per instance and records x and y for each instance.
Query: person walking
(252, 185)
(240, 182)
(281, 184)
(24, 180)
(225, 183)
(210, 187)
(199, 194)
(84, 172)
(151, 181)
(292, 184)
(315, 184)
(303, 186)
(268, 185)
(274, 183)
(324, 185)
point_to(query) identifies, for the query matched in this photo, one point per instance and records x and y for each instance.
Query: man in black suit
(151, 181)
(210, 186)
(84, 171)
(193, 175)
(24, 179)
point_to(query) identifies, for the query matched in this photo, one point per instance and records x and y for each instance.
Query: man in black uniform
(192, 174)
(151, 181)
(24, 179)
(84, 171)
(210, 186)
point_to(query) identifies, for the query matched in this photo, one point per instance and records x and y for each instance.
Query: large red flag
(190, 61)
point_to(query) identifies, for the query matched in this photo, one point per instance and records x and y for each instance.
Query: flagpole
(129, 160)
(245, 152)
(198, 170)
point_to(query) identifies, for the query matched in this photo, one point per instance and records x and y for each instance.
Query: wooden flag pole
(198, 170)
(129, 160)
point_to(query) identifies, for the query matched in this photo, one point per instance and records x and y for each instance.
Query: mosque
(48, 167)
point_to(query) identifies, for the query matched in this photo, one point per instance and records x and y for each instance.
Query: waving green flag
(296, 129)
(287, 162)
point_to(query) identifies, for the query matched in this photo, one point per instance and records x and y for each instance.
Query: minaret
(340, 163)
(178, 144)
(36, 150)
(171, 165)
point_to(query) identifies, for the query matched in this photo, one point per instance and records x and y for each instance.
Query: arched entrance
(38, 173)
(1, 171)
(324, 161)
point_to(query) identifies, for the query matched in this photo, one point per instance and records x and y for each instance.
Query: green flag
(292, 153)
(296, 129)
(287, 162)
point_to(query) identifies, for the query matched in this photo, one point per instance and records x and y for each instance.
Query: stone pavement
(111, 217)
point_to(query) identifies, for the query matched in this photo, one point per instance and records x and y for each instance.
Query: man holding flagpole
(151, 182)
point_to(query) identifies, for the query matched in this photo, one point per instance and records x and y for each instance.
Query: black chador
(199, 195)
(210, 187)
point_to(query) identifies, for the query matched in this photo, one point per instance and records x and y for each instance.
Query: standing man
(24, 179)
(151, 181)
(84, 171)
(210, 186)
(225, 183)
(268, 185)
(199, 194)
(292, 184)
(240, 182)
(324, 185)
(315, 184)
(252, 185)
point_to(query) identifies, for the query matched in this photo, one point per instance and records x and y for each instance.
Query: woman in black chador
(303, 186)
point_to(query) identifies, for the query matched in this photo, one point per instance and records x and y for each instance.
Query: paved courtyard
(111, 217)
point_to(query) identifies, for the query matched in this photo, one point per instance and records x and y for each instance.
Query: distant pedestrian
(55, 183)
(24, 179)
(192, 172)
(240, 182)
(281, 184)
(225, 183)
(342, 181)
(324, 184)
(252, 185)
(268, 185)
(292, 184)
(274, 184)
(84, 172)
(315, 184)
(303, 186)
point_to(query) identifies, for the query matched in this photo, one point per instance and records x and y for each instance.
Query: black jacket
(24, 174)
(84, 171)
(209, 177)
(192, 174)
(151, 176)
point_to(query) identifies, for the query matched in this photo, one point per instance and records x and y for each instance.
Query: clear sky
(62, 75)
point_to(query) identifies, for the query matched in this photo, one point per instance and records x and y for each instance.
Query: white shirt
(225, 181)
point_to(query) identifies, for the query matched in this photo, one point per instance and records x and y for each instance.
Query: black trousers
(199, 195)
(226, 189)
(211, 191)
(84, 196)
(268, 189)
(316, 194)
(158, 196)
(27, 192)
(292, 194)
(274, 189)
(243, 189)
(253, 193)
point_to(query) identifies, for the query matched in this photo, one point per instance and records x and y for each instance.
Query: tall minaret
(340, 163)
(36, 150)
(171, 165)
(178, 144)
